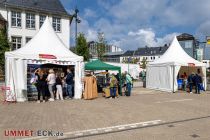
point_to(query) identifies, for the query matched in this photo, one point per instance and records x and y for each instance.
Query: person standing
(41, 82)
(51, 83)
(198, 82)
(184, 81)
(190, 81)
(113, 86)
(59, 91)
(128, 83)
(69, 83)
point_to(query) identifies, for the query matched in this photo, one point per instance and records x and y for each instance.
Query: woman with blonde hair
(51, 83)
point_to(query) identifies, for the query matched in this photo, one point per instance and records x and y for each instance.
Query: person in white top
(51, 83)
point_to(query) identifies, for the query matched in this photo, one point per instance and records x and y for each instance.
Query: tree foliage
(101, 45)
(81, 47)
(4, 46)
(101, 50)
(143, 63)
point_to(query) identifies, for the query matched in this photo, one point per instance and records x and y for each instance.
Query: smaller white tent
(162, 73)
(45, 47)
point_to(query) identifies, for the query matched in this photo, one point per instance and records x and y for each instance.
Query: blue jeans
(69, 90)
(198, 88)
(113, 91)
(128, 86)
(190, 86)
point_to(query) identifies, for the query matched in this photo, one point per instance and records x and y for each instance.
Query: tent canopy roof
(175, 55)
(99, 65)
(45, 42)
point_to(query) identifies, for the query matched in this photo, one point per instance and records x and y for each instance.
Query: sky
(131, 24)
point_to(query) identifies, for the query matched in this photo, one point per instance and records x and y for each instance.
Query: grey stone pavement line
(97, 131)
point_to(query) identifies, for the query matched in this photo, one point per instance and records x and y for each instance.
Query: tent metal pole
(120, 77)
(173, 77)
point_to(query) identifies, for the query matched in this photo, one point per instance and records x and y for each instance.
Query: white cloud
(91, 35)
(135, 23)
(146, 37)
(90, 13)
(162, 12)
(203, 30)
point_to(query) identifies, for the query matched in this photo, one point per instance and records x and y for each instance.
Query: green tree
(101, 45)
(143, 63)
(4, 46)
(81, 47)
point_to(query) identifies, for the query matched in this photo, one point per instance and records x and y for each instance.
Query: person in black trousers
(41, 85)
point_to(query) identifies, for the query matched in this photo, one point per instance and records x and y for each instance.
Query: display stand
(7, 95)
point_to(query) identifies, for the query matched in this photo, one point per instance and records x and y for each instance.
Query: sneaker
(51, 99)
(43, 101)
(38, 101)
(190, 92)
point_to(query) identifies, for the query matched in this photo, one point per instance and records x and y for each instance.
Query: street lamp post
(77, 20)
(129, 60)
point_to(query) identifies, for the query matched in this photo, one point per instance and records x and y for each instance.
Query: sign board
(5, 88)
(191, 64)
(47, 56)
(208, 41)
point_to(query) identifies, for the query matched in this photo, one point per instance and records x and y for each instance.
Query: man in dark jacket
(190, 81)
(69, 83)
(198, 82)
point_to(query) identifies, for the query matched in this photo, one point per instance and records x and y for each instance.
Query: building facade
(189, 44)
(109, 49)
(148, 54)
(113, 57)
(25, 18)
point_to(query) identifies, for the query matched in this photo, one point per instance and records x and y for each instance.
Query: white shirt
(51, 78)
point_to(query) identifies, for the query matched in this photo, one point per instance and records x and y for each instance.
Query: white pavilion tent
(45, 47)
(162, 73)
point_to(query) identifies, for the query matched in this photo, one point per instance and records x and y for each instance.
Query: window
(28, 39)
(154, 57)
(151, 58)
(16, 42)
(16, 19)
(188, 44)
(30, 21)
(57, 24)
(41, 20)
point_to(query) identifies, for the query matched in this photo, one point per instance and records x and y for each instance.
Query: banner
(47, 56)
(191, 64)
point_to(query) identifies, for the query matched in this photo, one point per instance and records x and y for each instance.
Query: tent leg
(173, 78)
(120, 77)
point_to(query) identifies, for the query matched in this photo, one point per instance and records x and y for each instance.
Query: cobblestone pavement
(146, 115)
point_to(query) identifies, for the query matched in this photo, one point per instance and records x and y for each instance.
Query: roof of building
(185, 36)
(2, 18)
(48, 6)
(147, 51)
(114, 53)
(128, 53)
